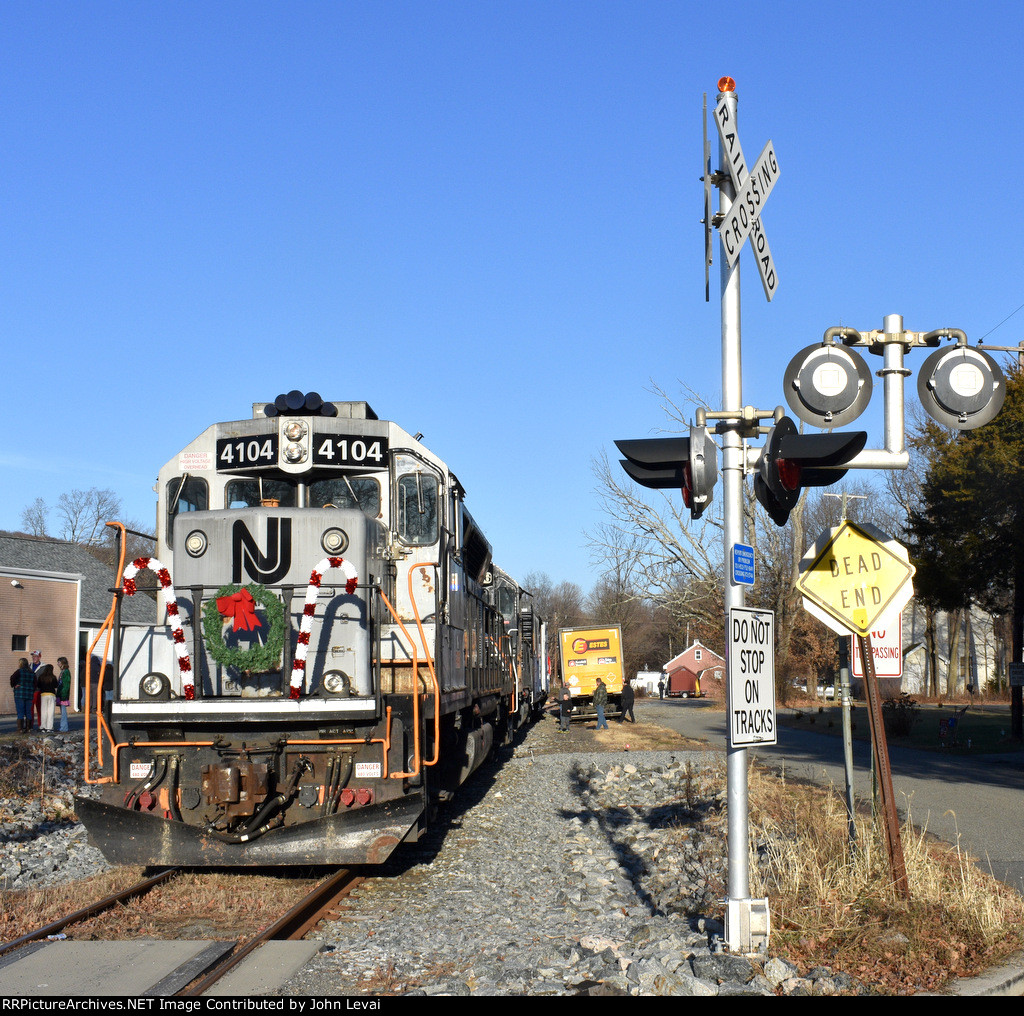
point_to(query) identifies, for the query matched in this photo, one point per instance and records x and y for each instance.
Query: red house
(687, 672)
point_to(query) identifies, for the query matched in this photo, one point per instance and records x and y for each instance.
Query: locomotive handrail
(107, 626)
(430, 661)
(513, 674)
(385, 742)
(415, 696)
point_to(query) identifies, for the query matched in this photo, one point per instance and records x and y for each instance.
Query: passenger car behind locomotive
(340, 653)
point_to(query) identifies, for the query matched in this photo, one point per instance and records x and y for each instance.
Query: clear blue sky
(480, 217)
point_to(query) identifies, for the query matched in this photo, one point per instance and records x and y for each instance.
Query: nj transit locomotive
(340, 653)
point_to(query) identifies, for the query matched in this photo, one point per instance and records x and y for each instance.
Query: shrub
(900, 715)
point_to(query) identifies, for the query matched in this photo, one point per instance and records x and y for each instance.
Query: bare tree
(561, 605)
(33, 517)
(85, 513)
(674, 560)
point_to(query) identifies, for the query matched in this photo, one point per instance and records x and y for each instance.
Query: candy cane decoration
(309, 610)
(164, 578)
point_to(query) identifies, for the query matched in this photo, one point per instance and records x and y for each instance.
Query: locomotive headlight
(294, 452)
(196, 543)
(334, 540)
(155, 686)
(295, 430)
(336, 683)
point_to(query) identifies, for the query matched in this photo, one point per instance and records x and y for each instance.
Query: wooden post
(890, 819)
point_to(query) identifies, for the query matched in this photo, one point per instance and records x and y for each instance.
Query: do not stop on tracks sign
(751, 670)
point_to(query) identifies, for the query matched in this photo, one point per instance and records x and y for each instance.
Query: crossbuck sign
(752, 189)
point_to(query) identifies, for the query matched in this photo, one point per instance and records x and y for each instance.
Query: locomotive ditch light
(961, 387)
(155, 686)
(334, 540)
(335, 684)
(827, 385)
(791, 461)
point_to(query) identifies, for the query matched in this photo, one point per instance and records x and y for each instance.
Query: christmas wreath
(237, 604)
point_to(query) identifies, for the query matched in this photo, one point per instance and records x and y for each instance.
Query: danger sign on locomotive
(751, 669)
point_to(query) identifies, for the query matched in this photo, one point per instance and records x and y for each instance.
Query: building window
(697, 655)
(19, 643)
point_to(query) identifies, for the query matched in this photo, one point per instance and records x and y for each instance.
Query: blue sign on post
(742, 564)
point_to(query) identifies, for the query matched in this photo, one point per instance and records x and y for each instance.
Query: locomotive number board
(350, 450)
(244, 453)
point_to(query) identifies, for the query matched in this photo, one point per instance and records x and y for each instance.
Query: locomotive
(339, 653)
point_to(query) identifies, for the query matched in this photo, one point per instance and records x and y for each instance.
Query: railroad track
(113, 900)
(293, 925)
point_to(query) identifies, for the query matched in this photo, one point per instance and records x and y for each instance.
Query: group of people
(38, 690)
(565, 706)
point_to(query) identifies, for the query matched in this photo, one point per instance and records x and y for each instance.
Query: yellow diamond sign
(856, 574)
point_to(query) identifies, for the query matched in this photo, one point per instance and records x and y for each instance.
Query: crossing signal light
(687, 463)
(791, 461)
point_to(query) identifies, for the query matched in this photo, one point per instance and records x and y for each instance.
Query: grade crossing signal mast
(827, 385)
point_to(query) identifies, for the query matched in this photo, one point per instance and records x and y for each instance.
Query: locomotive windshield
(417, 508)
(185, 494)
(253, 493)
(361, 492)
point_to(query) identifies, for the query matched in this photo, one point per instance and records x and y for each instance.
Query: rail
(292, 925)
(83, 914)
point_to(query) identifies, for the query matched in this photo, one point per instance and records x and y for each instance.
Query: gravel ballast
(563, 870)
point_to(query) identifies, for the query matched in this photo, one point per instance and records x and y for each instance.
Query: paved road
(978, 799)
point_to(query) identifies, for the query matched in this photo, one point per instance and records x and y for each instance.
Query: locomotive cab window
(254, 493)
(417, 516)
(185, 494)
(362, 492)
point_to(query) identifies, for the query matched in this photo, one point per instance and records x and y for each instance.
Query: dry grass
(213, 905)
(833, 905)
(643, 737)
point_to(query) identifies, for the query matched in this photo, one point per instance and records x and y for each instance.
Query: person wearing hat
(37, 662)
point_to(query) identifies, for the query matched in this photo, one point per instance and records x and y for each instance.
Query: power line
(1001, 323)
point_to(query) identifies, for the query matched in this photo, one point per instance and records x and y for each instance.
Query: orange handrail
(107, 626)
(430, 666)
(415, 694)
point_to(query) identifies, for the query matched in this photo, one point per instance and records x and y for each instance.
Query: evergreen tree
(968, 530)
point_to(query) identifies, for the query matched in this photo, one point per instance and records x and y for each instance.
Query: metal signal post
(746, 920)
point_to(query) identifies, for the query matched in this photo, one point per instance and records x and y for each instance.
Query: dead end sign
(751, 672)
(856, 575)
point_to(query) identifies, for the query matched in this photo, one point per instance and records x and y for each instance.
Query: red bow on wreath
(242, 608)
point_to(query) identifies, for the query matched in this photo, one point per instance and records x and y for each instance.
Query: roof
(44, 554)
(678, 659)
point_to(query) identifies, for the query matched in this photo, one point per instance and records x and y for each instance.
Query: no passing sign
(751, 669)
